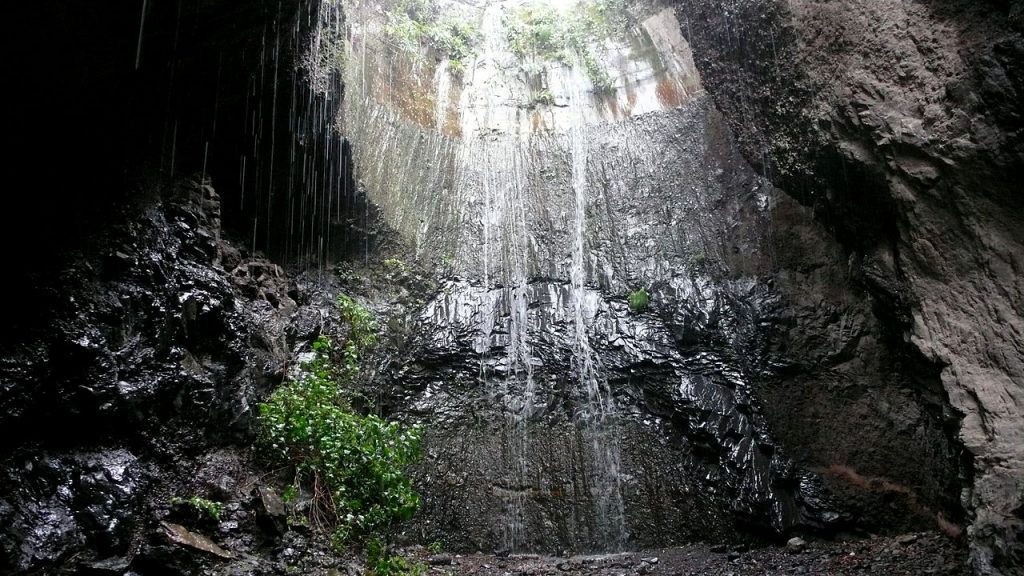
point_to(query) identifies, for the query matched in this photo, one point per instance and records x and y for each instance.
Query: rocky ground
(911, 554)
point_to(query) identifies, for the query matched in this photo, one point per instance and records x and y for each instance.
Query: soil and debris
(910, 554)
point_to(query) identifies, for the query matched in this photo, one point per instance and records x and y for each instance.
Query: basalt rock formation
(154, 344)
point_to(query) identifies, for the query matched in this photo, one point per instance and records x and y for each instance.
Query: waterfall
(597, 417)
(490, 169)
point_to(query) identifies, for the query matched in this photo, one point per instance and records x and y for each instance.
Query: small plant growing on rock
(542, 98)
(537, 33)
(415, 24)
(201, 506)
(362, 334)
(395, 265)
(290, 494)
(639, 300)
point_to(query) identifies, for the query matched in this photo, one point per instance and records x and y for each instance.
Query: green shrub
(362, 333)
(542, 98)
(405, 32)
(455, 38)
(352, 462)
(396, 265)
(361, 324)
(458, 67)
(595, 72)
(290, 494)
(537, 31)
(639, 300)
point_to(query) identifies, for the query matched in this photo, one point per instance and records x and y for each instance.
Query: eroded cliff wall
(900, 124)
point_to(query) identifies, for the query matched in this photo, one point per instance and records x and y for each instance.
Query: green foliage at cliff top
(412, 24)
(540, 32)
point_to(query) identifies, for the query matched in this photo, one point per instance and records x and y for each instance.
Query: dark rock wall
(766, 346)
(138, 339)
(899, 123)
(153, 348)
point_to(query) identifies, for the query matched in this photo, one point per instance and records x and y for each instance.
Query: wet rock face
(767, 347)
(899, 123)
(140, 331)
(513, 444)
(769, 386)
(60, 503)
(757, 393)
(148, 353)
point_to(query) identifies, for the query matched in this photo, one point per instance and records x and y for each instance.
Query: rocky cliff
(899, 123)
(761, 346)
(133, 379)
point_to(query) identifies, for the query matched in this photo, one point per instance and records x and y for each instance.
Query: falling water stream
(597, 416)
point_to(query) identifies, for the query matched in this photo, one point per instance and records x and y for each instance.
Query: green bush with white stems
(353, 463)
(415, 23)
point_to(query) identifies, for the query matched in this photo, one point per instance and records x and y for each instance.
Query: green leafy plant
(537, 31)
(290, 494)
(396, 265)
(362, 326)
(207, 508)
(639, 300)
(458, 67)
(435, 547)
(353, 463)
(600, 19)
(595, 72)
(362, 333)
(456, 38)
